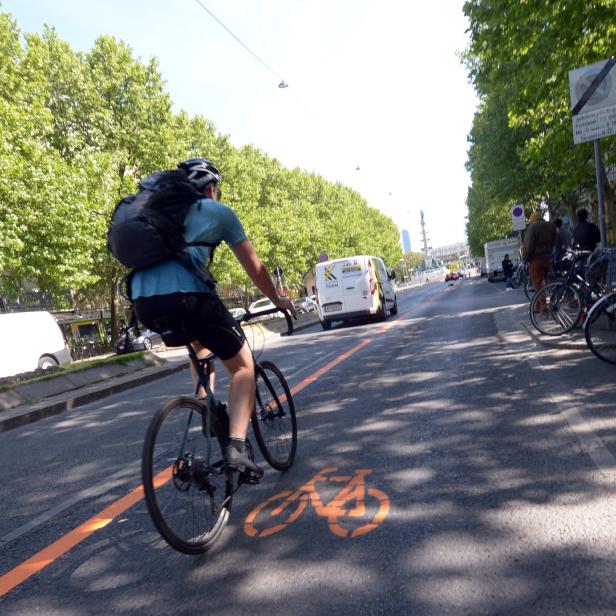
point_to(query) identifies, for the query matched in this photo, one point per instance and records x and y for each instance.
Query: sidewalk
(27, 403)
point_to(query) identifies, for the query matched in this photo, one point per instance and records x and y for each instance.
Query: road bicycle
(188, 487)
(558, 306)
(352, 511)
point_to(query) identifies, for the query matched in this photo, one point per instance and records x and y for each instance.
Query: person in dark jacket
(563, 242)
(507, 266)
(586, 234)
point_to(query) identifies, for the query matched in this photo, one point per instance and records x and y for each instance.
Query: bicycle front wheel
(556, 308)
(600, 329)
(273, 421)
(529, 289)
(187, 486)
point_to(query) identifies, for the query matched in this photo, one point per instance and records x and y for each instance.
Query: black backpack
(148, 227)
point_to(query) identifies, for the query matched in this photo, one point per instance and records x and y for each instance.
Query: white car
(261, 305)
(309, 304)
(237, 313)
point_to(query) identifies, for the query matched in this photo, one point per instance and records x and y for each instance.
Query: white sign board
(518, 221)
(593, 101)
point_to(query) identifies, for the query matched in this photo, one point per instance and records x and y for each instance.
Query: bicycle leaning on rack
(558, 306)
(188, 488)
(600, 325)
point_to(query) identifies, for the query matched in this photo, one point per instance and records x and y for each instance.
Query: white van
(354, 287)
(30, 340)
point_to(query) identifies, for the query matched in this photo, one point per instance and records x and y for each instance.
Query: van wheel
(46, 362)
(326, 325)
(394, 308)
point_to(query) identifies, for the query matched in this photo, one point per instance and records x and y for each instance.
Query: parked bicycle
(188, 488)
(558, 306)
(600, 325)
(520, 275)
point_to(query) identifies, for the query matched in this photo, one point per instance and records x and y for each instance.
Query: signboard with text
(593, 101)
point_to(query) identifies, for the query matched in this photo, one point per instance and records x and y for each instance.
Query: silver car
(140, 340)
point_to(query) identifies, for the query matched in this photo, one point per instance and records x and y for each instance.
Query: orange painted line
(328, 366)
(53, 551)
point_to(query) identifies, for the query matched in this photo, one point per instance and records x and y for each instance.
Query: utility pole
(425, 249)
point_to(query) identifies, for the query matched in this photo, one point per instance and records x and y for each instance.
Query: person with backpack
(180, 286)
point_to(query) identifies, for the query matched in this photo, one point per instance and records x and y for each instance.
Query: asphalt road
(482, 469)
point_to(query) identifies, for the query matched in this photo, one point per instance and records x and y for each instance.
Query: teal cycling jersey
(206, 221)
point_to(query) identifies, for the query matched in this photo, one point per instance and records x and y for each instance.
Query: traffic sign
(593, 100)
(517, 218)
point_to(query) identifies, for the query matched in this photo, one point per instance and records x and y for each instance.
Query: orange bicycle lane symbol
(343, 512)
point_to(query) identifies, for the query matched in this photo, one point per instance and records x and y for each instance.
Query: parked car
(309, 304)
(137, 340)
(237, 313)
(262, 305)
(30, 340)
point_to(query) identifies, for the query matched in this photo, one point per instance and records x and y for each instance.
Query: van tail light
(372, 285)
(316, 296)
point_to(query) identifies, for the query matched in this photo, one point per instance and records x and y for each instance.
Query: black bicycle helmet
(200, 172)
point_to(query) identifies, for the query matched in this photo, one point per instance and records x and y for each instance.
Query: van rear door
(355, 279)
(344, 287)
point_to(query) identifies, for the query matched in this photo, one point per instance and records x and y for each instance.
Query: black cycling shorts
(203, 315)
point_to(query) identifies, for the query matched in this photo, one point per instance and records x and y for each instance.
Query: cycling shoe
(241, 461)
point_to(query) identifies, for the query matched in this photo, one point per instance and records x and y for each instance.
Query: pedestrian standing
(537, 248)
(586, 234)
(507, 266)
(562, 243)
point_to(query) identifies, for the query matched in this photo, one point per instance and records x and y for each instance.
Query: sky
(377, 98)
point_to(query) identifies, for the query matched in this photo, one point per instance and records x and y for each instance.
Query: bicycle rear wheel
(600, 329)
(273, 421)
(556, 308)
(187, 487)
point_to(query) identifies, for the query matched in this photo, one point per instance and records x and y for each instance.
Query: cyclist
(169, 290)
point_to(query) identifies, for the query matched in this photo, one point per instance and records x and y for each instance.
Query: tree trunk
(115, 307)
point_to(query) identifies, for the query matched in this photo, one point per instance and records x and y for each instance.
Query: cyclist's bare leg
(240, 401)
(201, 353)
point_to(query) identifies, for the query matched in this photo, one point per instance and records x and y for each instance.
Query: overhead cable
(282, 83)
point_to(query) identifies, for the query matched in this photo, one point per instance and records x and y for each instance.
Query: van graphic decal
(330, 278)
(351, 267)
(329, 273)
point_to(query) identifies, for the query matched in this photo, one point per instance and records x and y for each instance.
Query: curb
(20, 416)
(566, 341)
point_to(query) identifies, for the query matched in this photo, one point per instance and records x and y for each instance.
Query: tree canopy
(80, 129)
(521, 144)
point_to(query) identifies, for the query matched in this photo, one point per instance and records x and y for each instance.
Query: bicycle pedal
(248, 478)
